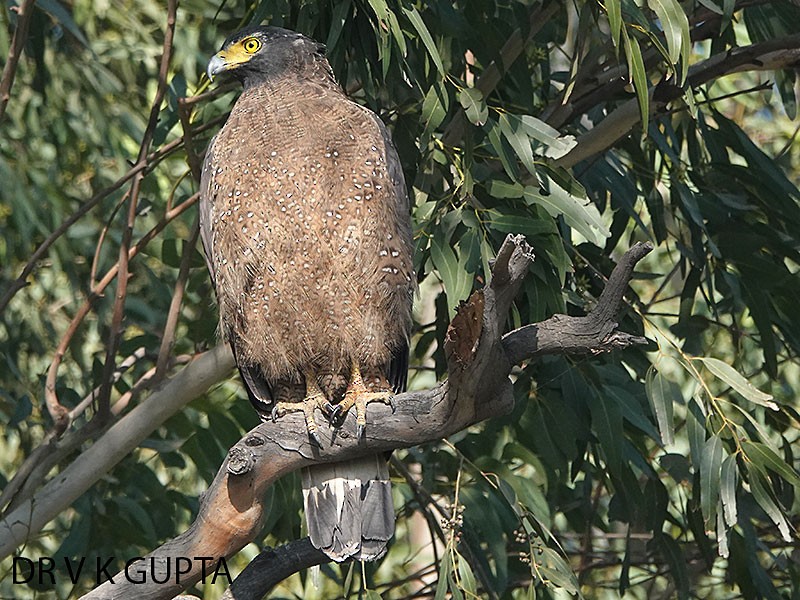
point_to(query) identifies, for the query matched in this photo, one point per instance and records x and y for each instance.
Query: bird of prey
(305, 223)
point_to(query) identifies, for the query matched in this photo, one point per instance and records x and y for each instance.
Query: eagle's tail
(349, 508)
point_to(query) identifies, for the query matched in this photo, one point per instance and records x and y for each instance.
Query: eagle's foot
(314, 399)
(359, 395)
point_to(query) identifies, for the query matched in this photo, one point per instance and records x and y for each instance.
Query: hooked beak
(216, 65)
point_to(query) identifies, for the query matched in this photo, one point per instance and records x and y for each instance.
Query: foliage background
(669, 471)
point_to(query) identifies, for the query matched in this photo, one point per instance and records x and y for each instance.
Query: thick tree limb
(480, 359)
(31, 515)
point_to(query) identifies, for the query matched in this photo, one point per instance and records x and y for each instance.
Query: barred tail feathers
(349, 508)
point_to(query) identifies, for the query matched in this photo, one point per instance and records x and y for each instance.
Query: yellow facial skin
(233, 56)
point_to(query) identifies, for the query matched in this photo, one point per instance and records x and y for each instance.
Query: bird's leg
(358, 395)
(314, 398)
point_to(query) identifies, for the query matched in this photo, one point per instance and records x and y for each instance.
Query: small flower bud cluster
(455, 522)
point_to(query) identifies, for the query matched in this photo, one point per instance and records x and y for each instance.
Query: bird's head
(257, 52)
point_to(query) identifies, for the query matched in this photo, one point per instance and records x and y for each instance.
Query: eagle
(304, 219)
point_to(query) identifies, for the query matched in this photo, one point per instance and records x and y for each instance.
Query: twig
(184, 114)
(115, 328)
(24, 13)
(102, 237)
(168, 337)
(51, 397)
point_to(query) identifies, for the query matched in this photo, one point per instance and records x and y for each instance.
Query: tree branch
(232, 512)
(24, 13)
(59, 493)
(782, 53)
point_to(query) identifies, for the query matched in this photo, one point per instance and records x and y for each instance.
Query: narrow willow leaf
(508, 223)
(556, 145)
(557, 571)
(338, 19)
(457, 282)
(728, 489)
(466, 578)
(638, 76)
(614, 12)
(582, 215)
(502, 189)
(445, 569)
(495, 137)
(765, 501)
(763, 457)
(515, 133)
(676, 30)
(607, 423)
(455, 591)
(662, 394)
(62, 15)
(722, 535)
(371, 595)
(474, 106)
(728, 6)
(425, 35)
(710, 464)
(674, 557)
(434, 108)
(738, 382)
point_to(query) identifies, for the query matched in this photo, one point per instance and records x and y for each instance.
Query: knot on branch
(241, 460)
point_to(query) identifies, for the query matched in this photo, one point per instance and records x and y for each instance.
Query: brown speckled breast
(304, 215)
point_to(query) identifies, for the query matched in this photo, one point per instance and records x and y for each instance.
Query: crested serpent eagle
(305, 223)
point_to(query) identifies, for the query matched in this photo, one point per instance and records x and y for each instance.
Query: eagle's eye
(251, 45)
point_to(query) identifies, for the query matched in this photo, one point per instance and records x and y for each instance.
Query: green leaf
(495, 137)
(758, 487)
(466, 579)
(728, 480)
(515, 133)
(614, 13)
(63, 16)
(338, 19)
(445, 569)
(434, 108)
(662, 394)
(607, 423)
(737, 381)
(674, 557)
(474, 105)
(457, 282)
(425, 35)
(710, 464)
(676, 30)
(556, 145)
(638, 76)
(556, 571)
(582, 215)
(763, 457)
(509, 223)
(498, 188)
